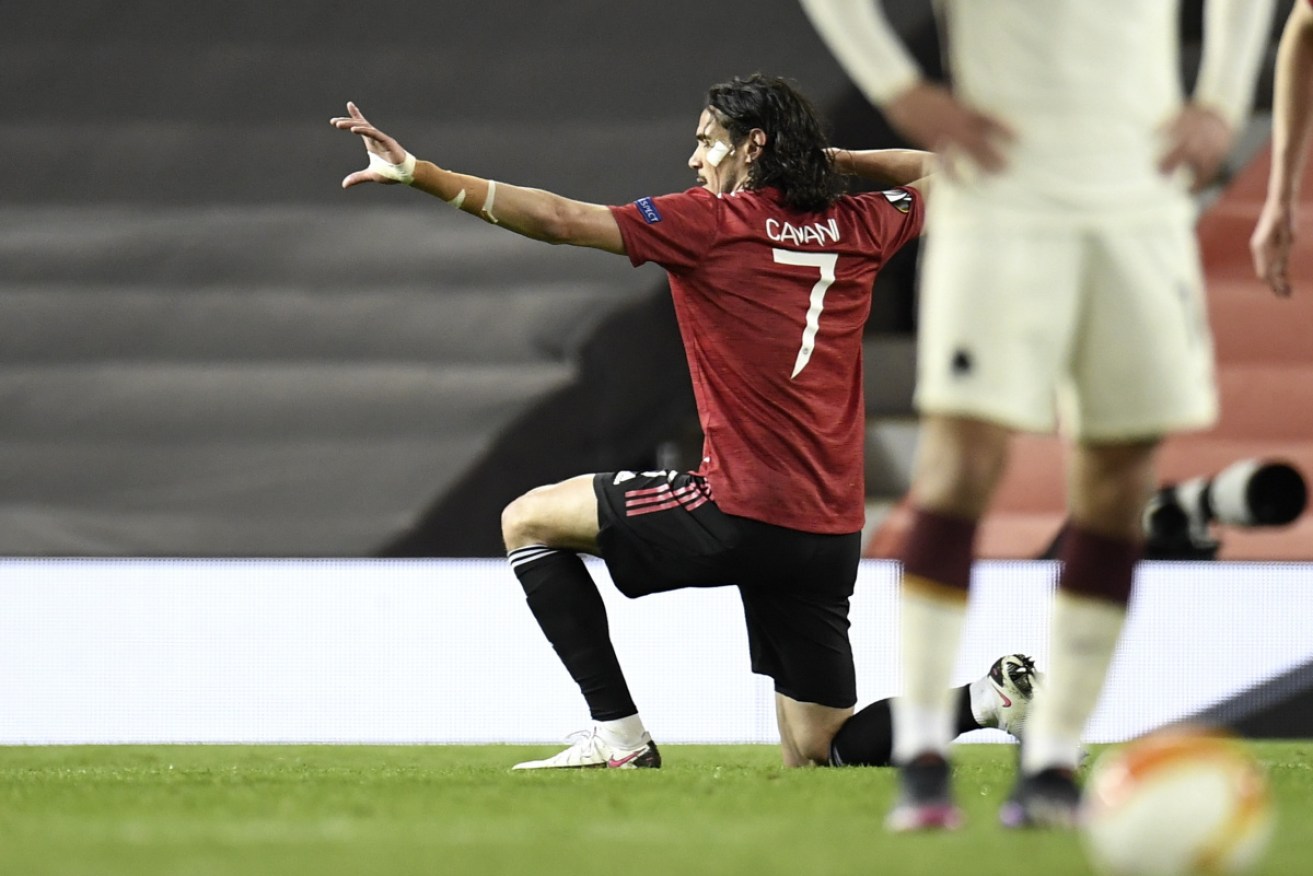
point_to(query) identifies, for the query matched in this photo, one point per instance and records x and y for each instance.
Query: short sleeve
(896, 216)
(673, 231)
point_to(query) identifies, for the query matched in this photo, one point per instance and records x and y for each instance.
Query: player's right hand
(930, 116)
(389, 162)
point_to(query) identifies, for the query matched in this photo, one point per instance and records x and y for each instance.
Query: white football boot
(1002, 698)
(590, 751)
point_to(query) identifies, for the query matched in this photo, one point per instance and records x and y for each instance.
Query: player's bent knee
(518, 522)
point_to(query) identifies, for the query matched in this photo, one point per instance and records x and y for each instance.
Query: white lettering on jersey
(818, 232)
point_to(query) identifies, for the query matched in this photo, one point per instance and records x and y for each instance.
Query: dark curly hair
(794, 159)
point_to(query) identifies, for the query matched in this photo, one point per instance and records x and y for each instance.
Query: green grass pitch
(325, 810)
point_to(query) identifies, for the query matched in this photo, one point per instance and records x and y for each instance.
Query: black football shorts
(662, 531)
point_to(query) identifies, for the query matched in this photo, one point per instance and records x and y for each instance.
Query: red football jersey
(771, 306)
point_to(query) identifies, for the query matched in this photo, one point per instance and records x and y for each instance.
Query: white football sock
(930, 628)
(1083, 637)
(624, 733)
(984, 702)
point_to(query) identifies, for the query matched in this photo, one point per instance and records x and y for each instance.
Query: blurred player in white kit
(1060, 288)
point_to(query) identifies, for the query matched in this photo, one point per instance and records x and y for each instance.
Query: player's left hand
(389, 162)
(1199, 140)
(1270, 245)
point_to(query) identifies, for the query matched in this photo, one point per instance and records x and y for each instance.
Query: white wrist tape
(488, 201)
(402, 173)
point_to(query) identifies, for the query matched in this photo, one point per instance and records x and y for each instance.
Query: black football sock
(966, 719)
(867, 738)
(562, 596)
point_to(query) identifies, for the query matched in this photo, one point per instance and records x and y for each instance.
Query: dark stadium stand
(210, 349)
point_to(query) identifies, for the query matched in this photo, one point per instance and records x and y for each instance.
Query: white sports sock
(623, 733)
(984, 702)
(1084, 634)
(930, 628)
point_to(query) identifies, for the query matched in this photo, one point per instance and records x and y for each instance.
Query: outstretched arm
(1292, 130)
(912, 168)
(533, 213)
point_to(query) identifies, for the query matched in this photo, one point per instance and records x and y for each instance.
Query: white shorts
(1099, 328)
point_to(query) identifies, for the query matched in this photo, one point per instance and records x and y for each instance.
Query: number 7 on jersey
(825, 262)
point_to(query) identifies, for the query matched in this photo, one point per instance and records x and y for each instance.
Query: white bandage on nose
(402, 173)
(716, 152)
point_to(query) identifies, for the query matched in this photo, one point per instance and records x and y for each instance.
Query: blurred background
(208, 349)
